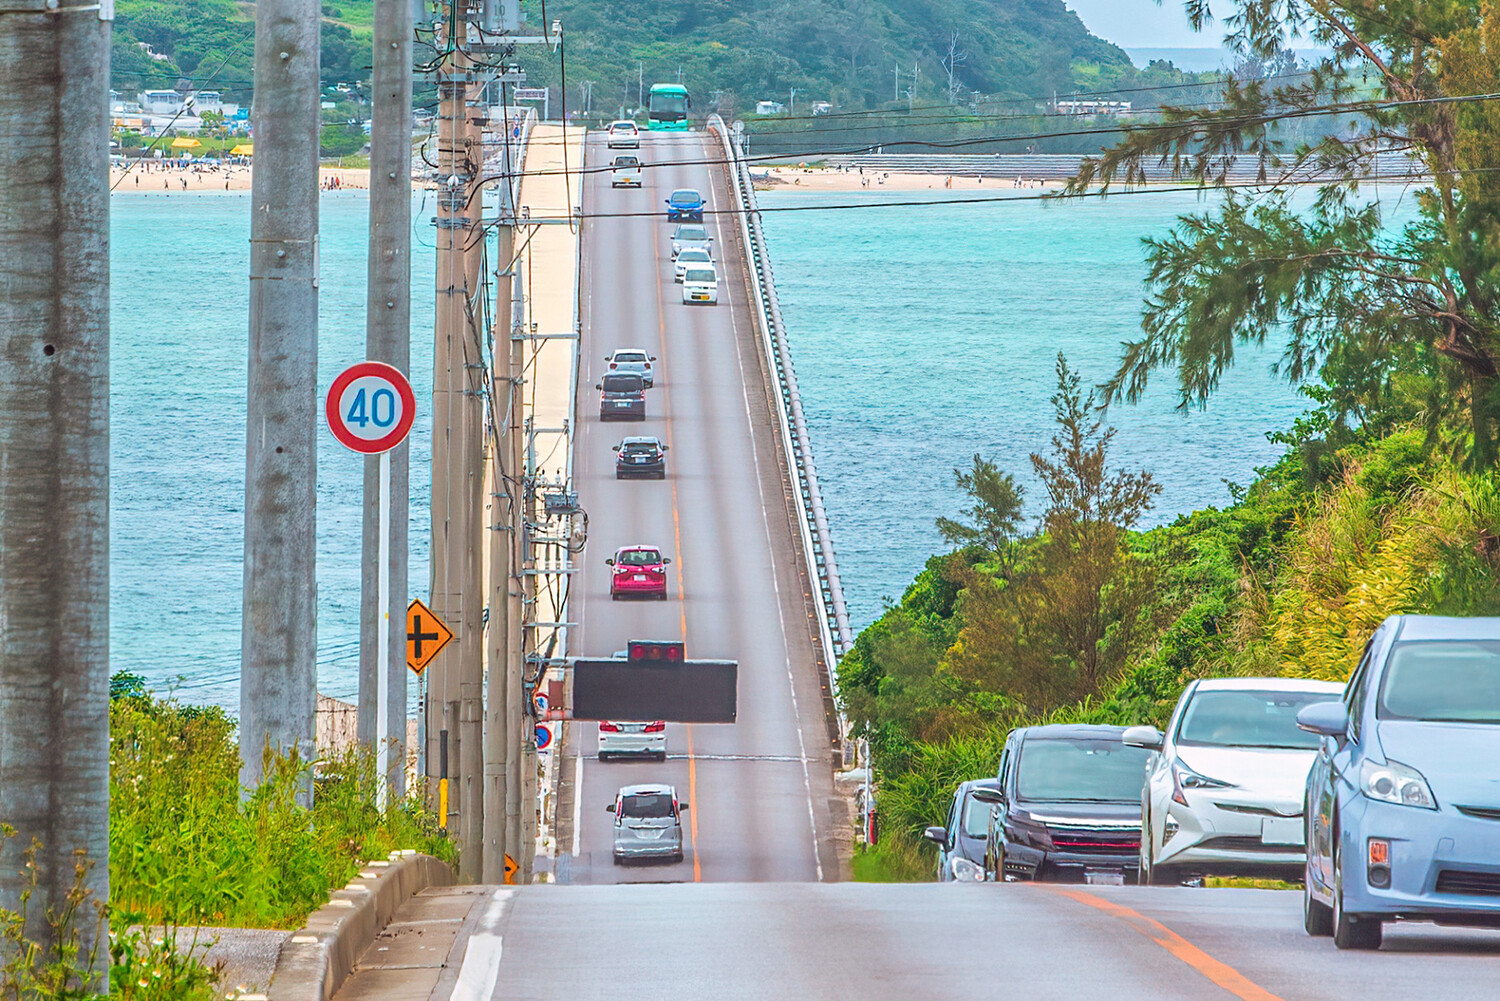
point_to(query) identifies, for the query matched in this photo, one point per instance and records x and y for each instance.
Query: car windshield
(646, 805)
(692, 233)
(701, 275)
(629, 357)
(1442, 681)
(976, 818)
(626, 161)
(622, 384)
(1081, 770)
(639, 558)
(635, 447)
(1248, 719)
(668, 106)
(686, 196)
(622, 127)
(693, 254)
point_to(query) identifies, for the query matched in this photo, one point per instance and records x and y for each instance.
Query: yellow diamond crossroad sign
(426, 635)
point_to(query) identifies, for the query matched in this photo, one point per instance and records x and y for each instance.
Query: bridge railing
(835, 634)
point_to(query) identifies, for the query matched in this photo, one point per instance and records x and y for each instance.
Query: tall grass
(187, 848)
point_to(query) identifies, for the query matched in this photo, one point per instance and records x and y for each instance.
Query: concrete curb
(318, 958)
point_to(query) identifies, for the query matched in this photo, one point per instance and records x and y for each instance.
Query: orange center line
(1220, 973)
(661, 337)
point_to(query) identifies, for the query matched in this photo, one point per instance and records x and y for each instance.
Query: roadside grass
(187, 849)
(891, 861)
(1247, 883)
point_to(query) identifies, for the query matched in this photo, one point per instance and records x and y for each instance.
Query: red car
(639, 570)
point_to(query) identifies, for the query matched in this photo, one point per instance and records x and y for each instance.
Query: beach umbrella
(184, 142)
(243, 149)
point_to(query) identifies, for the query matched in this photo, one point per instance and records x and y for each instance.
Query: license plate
(1094, 877)
(622, 403)
(1281, 831)
(640, 576)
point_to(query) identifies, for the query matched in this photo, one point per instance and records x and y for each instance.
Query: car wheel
(613, 596)
(1317, 917)
(661, 476)
(603, 755)
(678, 857)
(1163, 876)
(618, 860)
(661, 755)
(1349, 931)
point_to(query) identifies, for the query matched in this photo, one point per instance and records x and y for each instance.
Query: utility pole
(897, 95)
(54, 463)
(278, 645)
(640, 85)
(455, 697)
(499, 788)
(388, 339)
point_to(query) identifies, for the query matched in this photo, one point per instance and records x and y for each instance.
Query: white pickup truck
(625, 172)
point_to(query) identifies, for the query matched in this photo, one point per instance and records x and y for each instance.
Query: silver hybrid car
(648, 823)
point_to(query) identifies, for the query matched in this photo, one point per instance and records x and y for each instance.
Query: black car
(641, 456)
(1068, 807)
(962, 838)
(622, 395)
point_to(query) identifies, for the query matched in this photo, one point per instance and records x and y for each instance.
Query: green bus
(668, 107)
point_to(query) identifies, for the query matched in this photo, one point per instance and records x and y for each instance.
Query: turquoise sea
(921, 335)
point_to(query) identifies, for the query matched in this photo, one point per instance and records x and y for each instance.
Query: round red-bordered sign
(370, 407)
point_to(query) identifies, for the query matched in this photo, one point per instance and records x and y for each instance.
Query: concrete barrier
(318, 958)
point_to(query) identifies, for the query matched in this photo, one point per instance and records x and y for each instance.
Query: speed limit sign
(370, 407)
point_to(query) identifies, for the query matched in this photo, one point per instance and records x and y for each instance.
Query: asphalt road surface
(759, 790)
(959, 942)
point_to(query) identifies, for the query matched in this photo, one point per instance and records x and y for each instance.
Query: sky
(1141, 23)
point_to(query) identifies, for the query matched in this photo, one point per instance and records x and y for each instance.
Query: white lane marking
(481, 967)
(812, 819)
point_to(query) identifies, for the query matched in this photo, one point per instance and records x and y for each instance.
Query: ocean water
(923, 335)
(179, 334)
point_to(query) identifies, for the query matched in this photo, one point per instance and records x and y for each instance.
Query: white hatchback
(700, 285)
(1224, 790)
(634, 740)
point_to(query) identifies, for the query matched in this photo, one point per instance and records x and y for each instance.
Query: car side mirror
(610, 808)
(1148, 737)
(653, 357)
(1328, 719)
(666, 560)
(994, 797)
(682, 807)
(666, 448)
(598, 385)
(614, 448)
(937, 835)
(610, 562)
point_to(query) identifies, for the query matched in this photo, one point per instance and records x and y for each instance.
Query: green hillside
(843, 51)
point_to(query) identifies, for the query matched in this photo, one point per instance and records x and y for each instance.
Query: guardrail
(1388, 165)
(833, 621)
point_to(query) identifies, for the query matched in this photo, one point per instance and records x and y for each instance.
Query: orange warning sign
(426, 635)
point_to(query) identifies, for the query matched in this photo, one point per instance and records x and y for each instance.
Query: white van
(700, 283)
(625, 172)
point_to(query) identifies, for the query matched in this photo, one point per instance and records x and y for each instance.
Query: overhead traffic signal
(655, 651)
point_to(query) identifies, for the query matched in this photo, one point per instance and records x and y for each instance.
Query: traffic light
(656, 652)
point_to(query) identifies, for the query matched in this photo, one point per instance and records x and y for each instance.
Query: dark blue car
(961, 840)
(1403, 800)
(685, 205)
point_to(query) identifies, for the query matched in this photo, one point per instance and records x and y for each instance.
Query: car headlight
(1396, 783)
(964, 871)
(1184, 777)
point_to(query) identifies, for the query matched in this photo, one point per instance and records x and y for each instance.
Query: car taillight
(612, 365)
(609, 728)
(656, 727)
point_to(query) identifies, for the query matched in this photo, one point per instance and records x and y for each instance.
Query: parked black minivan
(622, 395)
(1068, 807)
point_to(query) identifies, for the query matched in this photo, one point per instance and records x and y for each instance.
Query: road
(960, 942)
(759, 791)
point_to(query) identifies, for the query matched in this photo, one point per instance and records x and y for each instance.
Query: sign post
(370, 409)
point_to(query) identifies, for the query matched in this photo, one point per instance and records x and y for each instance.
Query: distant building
(770, 108)
(160, 102)
(1089, 106)
(821, 107)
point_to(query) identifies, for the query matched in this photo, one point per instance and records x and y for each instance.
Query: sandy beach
(154, 177)
(827, 179)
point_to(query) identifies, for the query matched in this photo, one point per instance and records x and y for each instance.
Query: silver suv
(648, 823)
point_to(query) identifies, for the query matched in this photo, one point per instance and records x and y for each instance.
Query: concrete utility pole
(455, 696)
(54, 458)
(388, 339)
(278, 645)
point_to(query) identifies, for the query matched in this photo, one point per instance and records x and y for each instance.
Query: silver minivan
(648, 823)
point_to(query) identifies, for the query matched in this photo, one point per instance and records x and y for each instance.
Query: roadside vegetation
(187, 849)
(1386, 500)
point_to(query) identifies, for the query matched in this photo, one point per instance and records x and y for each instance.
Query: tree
(1385, 317)
(1060, 628)
(995, 516)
